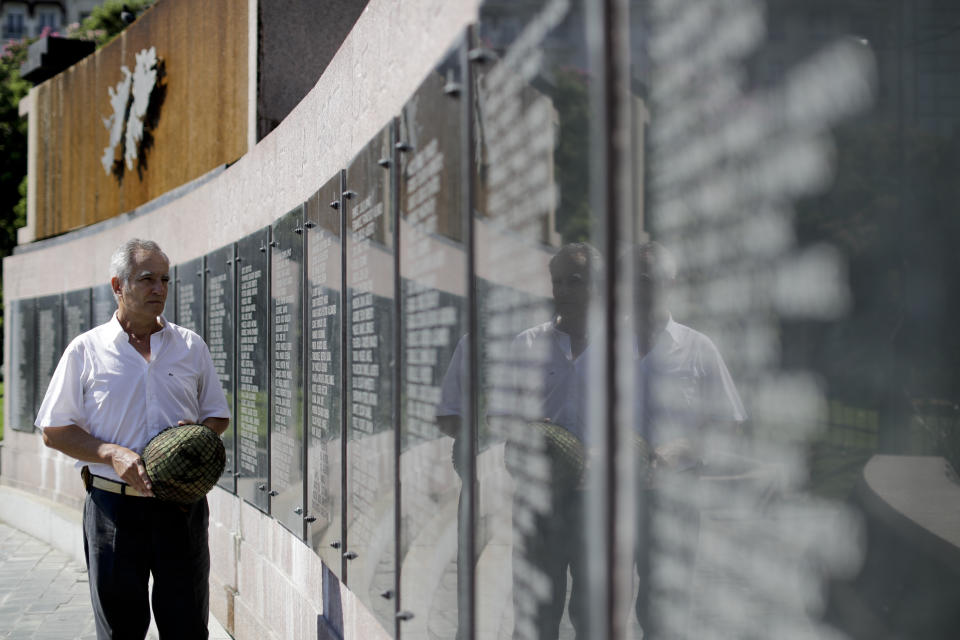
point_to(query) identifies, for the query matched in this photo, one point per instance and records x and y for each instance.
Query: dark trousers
(128, 538)
(545, 546)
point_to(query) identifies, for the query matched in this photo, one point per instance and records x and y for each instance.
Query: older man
(116, 387)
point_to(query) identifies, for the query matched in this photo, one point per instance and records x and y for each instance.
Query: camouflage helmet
(184, 462)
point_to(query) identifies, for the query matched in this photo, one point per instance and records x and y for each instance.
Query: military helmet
(184, 462)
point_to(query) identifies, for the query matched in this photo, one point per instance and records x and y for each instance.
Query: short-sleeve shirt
(104, 386)
(688, 386)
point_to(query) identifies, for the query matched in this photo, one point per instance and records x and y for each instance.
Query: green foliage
(104, 22)
(13, 142)
(572, 101)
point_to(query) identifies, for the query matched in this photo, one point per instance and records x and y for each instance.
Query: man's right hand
(129, 466)
(77, 443)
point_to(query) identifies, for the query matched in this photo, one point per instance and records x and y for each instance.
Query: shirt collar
(672, 329)
(116, 332)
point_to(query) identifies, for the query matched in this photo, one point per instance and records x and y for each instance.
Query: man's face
(571, 287)
(146, 293)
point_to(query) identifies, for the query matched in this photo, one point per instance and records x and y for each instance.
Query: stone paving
(43, 592)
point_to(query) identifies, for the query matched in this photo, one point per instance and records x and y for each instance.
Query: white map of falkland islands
(134, 91)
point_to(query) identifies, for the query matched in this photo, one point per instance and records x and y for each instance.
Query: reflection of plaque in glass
(370, 376)
(189, 303)
(434, 556)
(49, 343)
(533, 177)
(253, 344)
(104, 304)
(324, 372)
(20, 391)
(286, 431)
(76, 314)
(220, 338)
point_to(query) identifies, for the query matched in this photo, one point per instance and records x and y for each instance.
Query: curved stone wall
(265, 582)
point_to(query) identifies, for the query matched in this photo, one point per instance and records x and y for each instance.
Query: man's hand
(77, 443)
(217, 425)
(677, 456)
(129, 466)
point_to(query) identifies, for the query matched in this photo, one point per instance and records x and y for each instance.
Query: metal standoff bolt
(236, 474)
(273, 493)
(263, 248)
(298, 230)
(262, 487)
(274, 243)
(349, 194)
(403, 147)
(387, 595)
(335, 544)
(298, 511)
(481, 55)
(239, 259)
(335, 204)
(350, 555)
(452, 89)
(309, 518)
(384, 162)
(309, 224)
(403, 616)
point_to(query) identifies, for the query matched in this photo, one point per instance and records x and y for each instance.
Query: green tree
(105, 22)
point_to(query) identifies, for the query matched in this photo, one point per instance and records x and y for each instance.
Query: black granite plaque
(434, 578)
(49, 343)
(253, 367)
(371, 496)
(220, 337)
(189, 302)
(286, 434)
(76, 314)
(20, 387)
(324, 372)
(532, 116)
(104, 304)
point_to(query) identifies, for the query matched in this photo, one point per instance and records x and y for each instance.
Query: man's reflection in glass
(549, 371)
(685, 391)
(551, 374)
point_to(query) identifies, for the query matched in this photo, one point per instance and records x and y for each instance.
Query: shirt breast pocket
(182, 386)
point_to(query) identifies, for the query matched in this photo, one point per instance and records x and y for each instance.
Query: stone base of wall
(265, 584)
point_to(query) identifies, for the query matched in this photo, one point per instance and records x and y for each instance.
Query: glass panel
(76, 314)
(434, 438)
(370, 493)
(253, 352)
(221, 339)
(189, 286)
(539, 352)
(801, 180)
(325, 376)
(20, 390)
(105, 305)
(49, 343)
(286, 434)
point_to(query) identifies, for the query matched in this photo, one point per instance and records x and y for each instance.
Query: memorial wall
(600, 334)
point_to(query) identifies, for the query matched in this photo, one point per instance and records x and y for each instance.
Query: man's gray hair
(121, 262)
(582, 254)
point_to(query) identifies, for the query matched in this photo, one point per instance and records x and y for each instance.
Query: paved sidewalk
(43, 592)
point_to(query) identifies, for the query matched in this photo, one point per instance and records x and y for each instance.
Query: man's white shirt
(104, 386)
(687, 386)
(682, 384)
